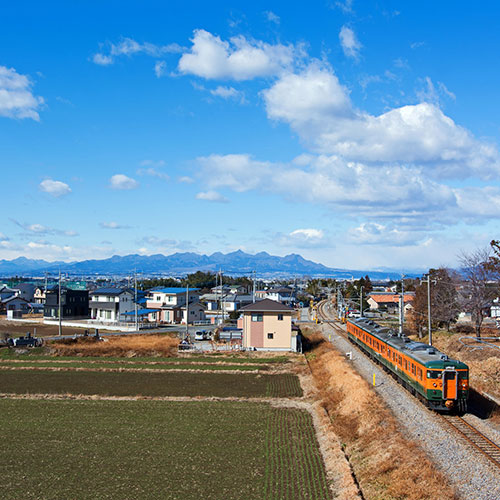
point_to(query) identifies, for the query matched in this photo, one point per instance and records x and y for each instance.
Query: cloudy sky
(358, 134)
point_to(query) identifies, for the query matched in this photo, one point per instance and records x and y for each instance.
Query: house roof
(393, 298)
(14, 297)
(140, 312)
(111, 291)
(265, 306)
(172, 290)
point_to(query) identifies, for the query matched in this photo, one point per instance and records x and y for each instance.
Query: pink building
(267, 326)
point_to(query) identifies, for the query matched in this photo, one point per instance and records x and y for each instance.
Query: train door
(450, 384)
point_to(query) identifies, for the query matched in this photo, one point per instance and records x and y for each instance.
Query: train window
(420, 374)
(433, 374)
(406, 365)
(400, 360)
(413, 368)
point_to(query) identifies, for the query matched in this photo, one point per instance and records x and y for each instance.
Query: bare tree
(444, 300)
(477, 291)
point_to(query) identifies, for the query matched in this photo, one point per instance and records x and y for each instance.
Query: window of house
(256, 317)
(270, 335)
(280, 317)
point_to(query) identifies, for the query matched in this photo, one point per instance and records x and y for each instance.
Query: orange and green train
(439, 382)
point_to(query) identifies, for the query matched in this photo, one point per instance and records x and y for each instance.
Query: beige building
(267, 326)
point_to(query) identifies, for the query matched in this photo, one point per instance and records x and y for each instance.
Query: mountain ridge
(179, 263)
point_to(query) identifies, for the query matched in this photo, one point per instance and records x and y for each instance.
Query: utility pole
(187, 311)
(59, 302)
(402, 306)
(253, 287)
(361, 302)
(135, 300)
(429, 322)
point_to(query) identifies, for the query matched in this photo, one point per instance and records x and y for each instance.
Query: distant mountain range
(234, 263)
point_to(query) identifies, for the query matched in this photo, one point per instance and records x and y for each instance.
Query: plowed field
(156, 450)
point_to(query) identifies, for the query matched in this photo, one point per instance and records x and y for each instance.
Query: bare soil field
(148, 384)
(17, 329)
(152, 449)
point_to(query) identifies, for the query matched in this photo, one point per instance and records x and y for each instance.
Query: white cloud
(272, 17)
(102, 60)
(319, 109)
(152, 172)
(374, 191)
(160, 68)
(113, 225)
(432, 93)
(227, 93)
(55, 188)
(239, 59)
(122, 182)
(129, 47)
(40, 229)
(372, 233)
(345, 6)
(349, 42)
(303, 238)
(212, 196)
(186, 179)
(16, 97)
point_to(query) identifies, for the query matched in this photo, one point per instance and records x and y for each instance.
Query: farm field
(131, 383)
(17, 329)
(129, 365)
(40, 354)
(154, 449)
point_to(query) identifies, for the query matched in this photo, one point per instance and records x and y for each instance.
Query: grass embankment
(117, 346)
(386, 464)
(483, 362)
(149, 384)
(150, 450)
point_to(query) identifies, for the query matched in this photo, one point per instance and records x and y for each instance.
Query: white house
(109, 304)
(168, 303)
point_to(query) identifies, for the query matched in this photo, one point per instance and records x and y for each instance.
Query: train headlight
(434, 384)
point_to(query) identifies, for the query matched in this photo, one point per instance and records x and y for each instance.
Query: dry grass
(119, 346)
(386, 464)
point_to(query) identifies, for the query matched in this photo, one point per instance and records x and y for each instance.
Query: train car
(439, 382)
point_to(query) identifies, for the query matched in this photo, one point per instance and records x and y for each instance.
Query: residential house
(14, 303)
(218, 306)
(168, 303)
(284, 295)
(267, 325)
(39, 295)
(74, 303)
(388, 301)
(26, 291)
(110, 304)
(6, 292)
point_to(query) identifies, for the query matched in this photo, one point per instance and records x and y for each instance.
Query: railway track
(469, 433)
(474, 437)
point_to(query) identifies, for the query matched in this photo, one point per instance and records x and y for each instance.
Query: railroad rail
(474, 437)
(469, 433)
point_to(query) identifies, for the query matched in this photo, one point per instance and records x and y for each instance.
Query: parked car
(202, 335)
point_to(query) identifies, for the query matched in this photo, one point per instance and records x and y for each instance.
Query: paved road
(181, 329)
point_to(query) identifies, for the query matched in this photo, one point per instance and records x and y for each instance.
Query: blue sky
(358, 134)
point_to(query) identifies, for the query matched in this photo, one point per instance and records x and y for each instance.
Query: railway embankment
(385, 462)
(472, 475)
